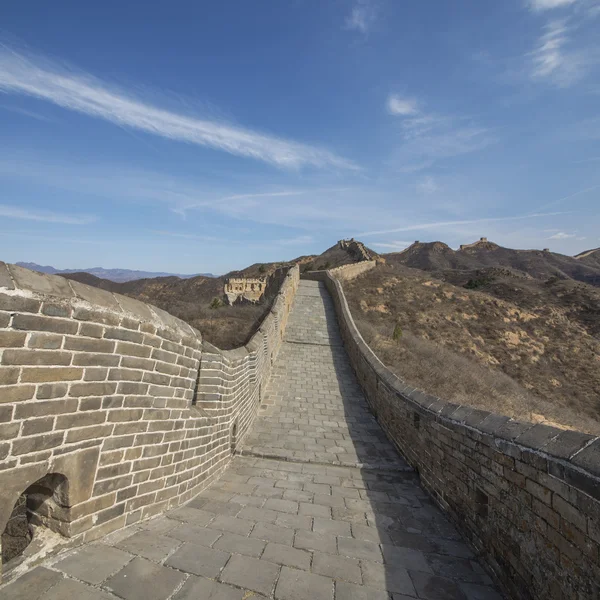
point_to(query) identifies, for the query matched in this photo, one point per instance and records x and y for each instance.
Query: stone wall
(526, 496)
(107, 404)
(346, 272)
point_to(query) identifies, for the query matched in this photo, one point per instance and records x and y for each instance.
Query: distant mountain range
(117, 275)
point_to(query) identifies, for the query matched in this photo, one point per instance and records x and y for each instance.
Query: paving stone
(350, 591)
(199, 560)
(294, 521)
(273, 533)
(68, 588)
(370, 534)
(287, 506)
(480, 592)
(314, 510)
(406, 558)
(232, 524)
(359, 549)
(337, 567)
(286, 555)
(150, 545)
(251, 573)
(142, 579)
(191, 515)
(192, 533)
(258, 514)
(198, 588)
(299, 585)
(309, 540)
(331, 527)
(387, 577)
(32, 585)
(94, 563)
(432, 587)
(249, 546)
(221, 508)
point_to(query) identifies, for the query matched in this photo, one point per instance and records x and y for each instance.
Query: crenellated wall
(527, 496)
(112, 408)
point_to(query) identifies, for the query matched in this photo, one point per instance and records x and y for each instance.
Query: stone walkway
(318, 507)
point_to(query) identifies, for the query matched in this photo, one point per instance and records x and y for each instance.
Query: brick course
(119, 397)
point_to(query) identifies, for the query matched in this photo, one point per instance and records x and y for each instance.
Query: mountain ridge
(117, 275)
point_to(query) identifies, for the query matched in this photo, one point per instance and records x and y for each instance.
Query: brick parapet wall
(235, 380)
(527, 496)
(347, 272)
(105, 391)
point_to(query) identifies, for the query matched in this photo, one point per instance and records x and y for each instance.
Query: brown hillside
(590, 258)
(437, 257)
(524, 349)
(190, 299)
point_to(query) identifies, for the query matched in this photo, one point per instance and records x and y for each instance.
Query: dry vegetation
(536, 357)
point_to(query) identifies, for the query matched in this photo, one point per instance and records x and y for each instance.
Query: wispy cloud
(362, 16)
(26, 113)
(561, 235)
(440, 224)
(541, 5)
(39, 78)
(26, 214)
(554, 60)
(428, 186)
(397, 105)
(399, 245)
(428, 138)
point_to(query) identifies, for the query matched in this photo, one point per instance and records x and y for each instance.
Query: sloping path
(319, 506)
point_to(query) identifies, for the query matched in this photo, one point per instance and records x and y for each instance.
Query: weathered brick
(569, 512)
(19, 303)
(128, 387)
(37, 443)
(6, 413)
(114, 333)
(95, 432)
(96, 360)
(8, 431)
(36, 357)
(83, 344)
(132, 362)
(95, 374)
(4, 319)
(12, 339)
(51, 390)
(93, 389)
(49, 407)
(80, 419)
(128, 349)
(120, 416)
(164, 356)
(125, 375)
(90, 403)
(9, 375)
(45, 341)
(16, 393)
(157, 378)
(97, 316)
(48, 374)
(54, 309)
(37, 323)
(540, 492)
(91, 330)
(161, 390)
(42, 425)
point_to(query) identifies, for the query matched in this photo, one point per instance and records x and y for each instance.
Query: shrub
(216, 303)
(262, 269)
(397, 332)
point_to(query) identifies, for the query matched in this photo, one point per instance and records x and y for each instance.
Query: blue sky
(204, 136)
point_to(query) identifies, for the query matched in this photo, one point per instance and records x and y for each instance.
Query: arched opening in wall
(233, 438)
(42, 504)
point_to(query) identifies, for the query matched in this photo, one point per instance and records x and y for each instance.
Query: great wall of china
(113, 412)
